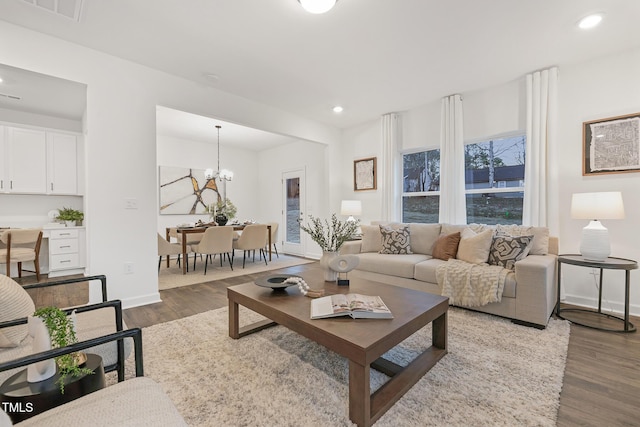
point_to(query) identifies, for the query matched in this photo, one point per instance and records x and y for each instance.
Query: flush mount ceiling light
(338, 109)
(590, 21)
(317, 6)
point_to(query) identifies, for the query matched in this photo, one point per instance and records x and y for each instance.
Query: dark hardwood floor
(602, 375)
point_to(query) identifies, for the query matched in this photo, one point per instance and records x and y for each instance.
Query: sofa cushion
(395, 240)
(15, 303)
(371, 238)
(423, 237)
(392, 265)
(506, 250)
(474, 247)
(446, 246)
(540, 244)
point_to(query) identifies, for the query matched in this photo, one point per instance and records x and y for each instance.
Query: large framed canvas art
(185, 191)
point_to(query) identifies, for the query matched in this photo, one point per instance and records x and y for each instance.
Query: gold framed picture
(611, 145)
(364, 174)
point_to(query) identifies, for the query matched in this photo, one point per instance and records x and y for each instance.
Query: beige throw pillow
(371, 238)
(474, 247)
(15, 303)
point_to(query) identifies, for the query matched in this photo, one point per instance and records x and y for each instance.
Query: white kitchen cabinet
(66, 251)
(26, 161)
(3, 160)
(62, 164)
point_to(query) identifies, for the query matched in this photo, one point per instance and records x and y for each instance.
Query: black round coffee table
(21, 399)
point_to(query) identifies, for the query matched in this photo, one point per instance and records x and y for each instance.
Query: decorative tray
(275, 281)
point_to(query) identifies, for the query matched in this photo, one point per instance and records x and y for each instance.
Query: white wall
(598, 89)
(120, 140)
(268, 186)
(199, 155)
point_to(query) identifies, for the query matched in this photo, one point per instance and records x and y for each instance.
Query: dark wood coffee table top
(362, 341)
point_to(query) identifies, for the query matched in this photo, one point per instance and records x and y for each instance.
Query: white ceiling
(371, 56)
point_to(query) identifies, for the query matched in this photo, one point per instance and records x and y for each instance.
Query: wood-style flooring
(602, 375)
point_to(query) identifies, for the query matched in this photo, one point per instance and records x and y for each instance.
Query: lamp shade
(351, 207)
(317, 6)
(604, 205)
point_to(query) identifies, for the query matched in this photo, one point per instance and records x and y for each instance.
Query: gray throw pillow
(395, 240)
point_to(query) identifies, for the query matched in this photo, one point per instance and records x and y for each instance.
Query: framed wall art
(185, 191)
(611, 145)
(364, 174)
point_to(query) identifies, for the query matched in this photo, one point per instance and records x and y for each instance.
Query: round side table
(22, 399)
(610, 263)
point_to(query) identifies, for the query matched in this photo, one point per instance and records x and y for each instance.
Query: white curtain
(391, 135)
(453, 206)
(542, 98)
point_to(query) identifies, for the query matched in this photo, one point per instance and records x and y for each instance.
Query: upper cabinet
(35, 161)
(62, 164)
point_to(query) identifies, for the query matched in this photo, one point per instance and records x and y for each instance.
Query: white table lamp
(595, 244)
(351, 208)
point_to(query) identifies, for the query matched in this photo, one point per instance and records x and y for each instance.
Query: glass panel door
(293, 197)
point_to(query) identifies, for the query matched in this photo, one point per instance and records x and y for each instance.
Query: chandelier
(223, 174)
(317, 6)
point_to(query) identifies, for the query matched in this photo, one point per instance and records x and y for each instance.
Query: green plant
(330, 236)
(69, 214)
(62, 333)
(224, 207)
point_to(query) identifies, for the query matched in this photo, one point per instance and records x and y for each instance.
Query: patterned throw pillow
(15, 303)
(506, 250)
(395, 240)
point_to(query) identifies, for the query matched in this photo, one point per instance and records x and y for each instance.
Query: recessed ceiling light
(0, 79)
(338, 109)
(590, 21)
(317, 6)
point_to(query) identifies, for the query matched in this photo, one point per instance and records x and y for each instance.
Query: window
(421, 186)
(494, 180)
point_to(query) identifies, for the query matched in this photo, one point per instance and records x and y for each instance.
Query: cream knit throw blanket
(471, 285)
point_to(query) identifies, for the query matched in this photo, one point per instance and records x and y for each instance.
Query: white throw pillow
(371, 238)
(15, 303)
(474, 247)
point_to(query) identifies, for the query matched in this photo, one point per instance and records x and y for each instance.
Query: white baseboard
(616, 307)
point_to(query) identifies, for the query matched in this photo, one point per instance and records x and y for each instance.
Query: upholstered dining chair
(274, 236)
(21, 245)
(215, 241)
(167, 249)
(253, 237)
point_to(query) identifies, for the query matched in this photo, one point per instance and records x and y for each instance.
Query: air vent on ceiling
(14, 97)
(68, 8)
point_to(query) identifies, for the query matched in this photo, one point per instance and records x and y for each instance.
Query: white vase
(70, 223)
(39, 371)
(330, 275)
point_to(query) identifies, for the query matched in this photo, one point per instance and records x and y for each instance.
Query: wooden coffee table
(361, 341)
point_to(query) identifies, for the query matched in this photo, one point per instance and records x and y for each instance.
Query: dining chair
(192, 239)
(167, 249)
(274, 236)
(21, 245)
(253, 236)
(215, 241)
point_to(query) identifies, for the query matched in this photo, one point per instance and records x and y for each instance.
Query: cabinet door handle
(65, 234)
(65, 246)
(66, 260)
(52, 186)
(11, 185)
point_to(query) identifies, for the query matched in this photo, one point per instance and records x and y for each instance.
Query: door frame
(298, 249)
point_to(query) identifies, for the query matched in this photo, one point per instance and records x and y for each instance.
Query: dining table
(185, 231)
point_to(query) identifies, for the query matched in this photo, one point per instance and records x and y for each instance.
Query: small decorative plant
(222, 207)
(69, 214)
(330, 235)
(62, 333)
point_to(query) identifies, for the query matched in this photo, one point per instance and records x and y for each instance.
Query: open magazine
(355, 305)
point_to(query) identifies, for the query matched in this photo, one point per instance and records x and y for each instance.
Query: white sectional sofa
(530, 290)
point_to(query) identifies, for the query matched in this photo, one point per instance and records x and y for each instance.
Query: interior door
(293, 211)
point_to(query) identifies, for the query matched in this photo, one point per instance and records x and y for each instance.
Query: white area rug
(495, 374)
(172, 277)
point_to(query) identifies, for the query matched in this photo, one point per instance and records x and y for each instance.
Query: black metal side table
(610, 263)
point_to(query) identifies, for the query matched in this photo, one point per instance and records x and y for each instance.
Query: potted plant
(329, 236)
(62, 333)
(70, 216)
(222, 211)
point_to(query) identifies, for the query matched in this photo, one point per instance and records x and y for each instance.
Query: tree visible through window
(421, 186)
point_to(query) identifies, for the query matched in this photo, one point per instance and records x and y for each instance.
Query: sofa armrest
(102, 278)
(536, 288)
(351, 247)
